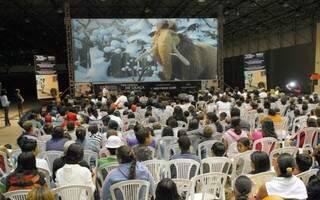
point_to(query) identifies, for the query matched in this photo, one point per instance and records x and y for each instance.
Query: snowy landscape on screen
(106, 50)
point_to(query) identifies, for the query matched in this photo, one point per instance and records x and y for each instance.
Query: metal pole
(220, 71)
(70, 63)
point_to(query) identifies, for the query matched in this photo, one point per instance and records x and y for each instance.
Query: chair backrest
(267, 144)
(45, 138)
(163, 143)
(6, 161)
(182, 124)
(105, 169)
(183, 186)
(159, 169)
(74, 192)
(184, 168)
(211, 186)
(130, 190)
(173, 149)
(204, 148)
(46, 173)
(310, 137)
(17, 195)
(260, 179)
(242, 163)
(50, 156)
(305, 176)
(298, 122)
(216, 164)
(290, 150)
(14, 157)
(89, 156)
(41, 145)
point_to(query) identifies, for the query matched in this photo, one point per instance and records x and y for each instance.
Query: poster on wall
(254, 71)
(144, 50)
(45, 64)
(83, 89)
(47, 86)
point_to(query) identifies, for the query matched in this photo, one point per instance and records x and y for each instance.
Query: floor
(8, 135)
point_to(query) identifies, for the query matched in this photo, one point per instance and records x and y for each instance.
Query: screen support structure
(67, 21)
(220, 72)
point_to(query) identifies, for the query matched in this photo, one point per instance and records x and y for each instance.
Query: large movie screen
(144, 50)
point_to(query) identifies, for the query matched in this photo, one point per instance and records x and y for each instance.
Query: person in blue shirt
(128, 169)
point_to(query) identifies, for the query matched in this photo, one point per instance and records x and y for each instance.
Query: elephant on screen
(180, 58)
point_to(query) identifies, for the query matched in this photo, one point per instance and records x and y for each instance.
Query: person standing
(5, 104)
(20, 101)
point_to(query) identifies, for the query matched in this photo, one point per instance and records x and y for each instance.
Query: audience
(303, 163)
(242, 189)
(167, 190)
(57, 141)
(260, 162)
(142, 150)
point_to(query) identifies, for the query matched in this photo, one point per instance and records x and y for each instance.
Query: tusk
(179, 55)
(144, 54)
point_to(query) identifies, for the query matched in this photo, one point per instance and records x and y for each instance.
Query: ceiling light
(59, 10)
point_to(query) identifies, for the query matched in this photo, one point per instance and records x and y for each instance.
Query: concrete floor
(8, 135)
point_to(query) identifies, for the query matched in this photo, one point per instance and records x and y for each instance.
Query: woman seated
(25, 176)
(167, 190)
(242, 189)
(259, 162)
(285, 184)
(72, 173)
(128, 169)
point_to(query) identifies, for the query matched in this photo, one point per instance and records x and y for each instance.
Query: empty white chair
(159, 169)
(50, 156)
(89, 156)
(6, 161)
(204, 148)
(242, 163)
(130, 190)
(260, 179)
(310, 135)
(183, 186)
(17, 195)
(267, 144)
(305, 176)
(184, 168)
(163, 143)
(74, 192)
(290, 150)
(216, 164)
(211, 186)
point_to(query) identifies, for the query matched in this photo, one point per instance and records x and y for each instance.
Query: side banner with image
(254, 71)
(47, 86)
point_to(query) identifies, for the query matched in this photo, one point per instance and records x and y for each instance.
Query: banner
(47, 86)
(45, 65)
(254, 71)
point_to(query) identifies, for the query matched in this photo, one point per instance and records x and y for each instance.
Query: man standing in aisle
(5, 104)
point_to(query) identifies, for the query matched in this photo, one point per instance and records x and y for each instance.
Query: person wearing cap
(27, 132)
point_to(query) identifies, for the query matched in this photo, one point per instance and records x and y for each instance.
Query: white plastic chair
(267, 144)
(211, 186)
(163, 143)
(17, 195)
(6, 161)
(159, 169)
(130, 190)
(50, 156)
(206, 146)
(41, 145)
(245, 161)
(173, 149)
(14, 157)
(184, 168)
(89, 155)
(290, 150)
(74, 192)
(260, 179)
(183, 186)
(310, 137)
(44, 138)
(216, 164)
(107, 168)
(299, 122)
(182, 124)
(46, 173)
(305, 176)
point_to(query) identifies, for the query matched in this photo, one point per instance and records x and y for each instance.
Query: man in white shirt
(5, 105)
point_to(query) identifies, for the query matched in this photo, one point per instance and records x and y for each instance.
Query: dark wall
(294, 63)
(234, 72)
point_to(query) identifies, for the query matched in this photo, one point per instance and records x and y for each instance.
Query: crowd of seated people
(127, 130)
